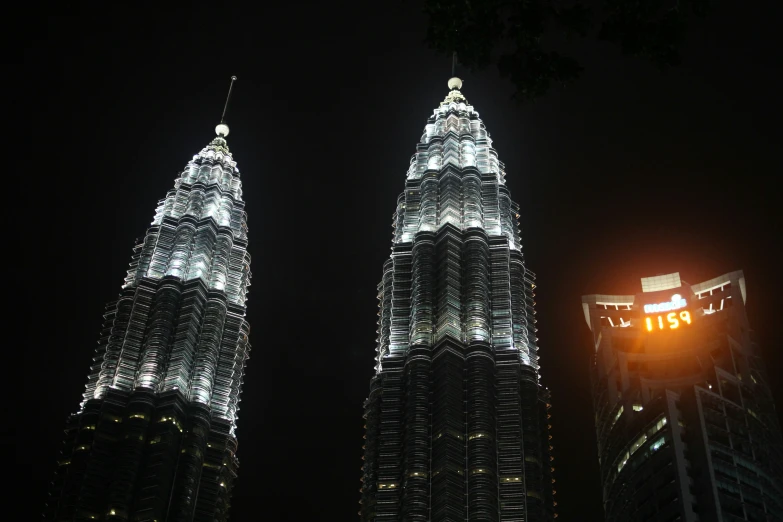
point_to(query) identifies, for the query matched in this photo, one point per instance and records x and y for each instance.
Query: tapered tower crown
(154, 438)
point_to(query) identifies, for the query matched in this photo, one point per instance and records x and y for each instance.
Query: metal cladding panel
(456, 414)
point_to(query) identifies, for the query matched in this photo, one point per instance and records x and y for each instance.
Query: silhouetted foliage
(511, 34)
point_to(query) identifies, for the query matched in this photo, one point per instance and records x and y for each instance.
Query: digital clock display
(670, 321)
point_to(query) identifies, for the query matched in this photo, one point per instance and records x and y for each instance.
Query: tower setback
(456, 418)
(154, 438)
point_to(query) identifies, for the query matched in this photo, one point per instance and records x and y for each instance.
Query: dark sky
(628, 173)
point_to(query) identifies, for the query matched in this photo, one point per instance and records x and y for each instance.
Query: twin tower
(456, 417)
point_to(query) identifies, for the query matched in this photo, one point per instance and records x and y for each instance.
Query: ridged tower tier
(154, 438)
(456, 419)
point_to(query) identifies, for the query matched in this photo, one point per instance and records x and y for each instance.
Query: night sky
(628, 173)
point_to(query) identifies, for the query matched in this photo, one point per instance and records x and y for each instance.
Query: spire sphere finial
(222, 130)
(455, 83)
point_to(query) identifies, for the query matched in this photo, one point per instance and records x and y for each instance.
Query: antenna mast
(225, 107)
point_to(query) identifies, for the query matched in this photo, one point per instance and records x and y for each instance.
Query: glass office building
(154, 438)
(687, 429)
(456, 418)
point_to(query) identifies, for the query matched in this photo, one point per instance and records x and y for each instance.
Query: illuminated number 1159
(671, 319)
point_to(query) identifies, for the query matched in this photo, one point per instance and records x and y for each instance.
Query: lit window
(655, 446)
(617, 416)
(173, 420)
(638, 443)
(623, 461)
(655, 428)
(637, 407)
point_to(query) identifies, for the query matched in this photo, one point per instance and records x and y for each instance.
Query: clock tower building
(686, 426)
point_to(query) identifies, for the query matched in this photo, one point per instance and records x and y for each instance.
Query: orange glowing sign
(672, 321)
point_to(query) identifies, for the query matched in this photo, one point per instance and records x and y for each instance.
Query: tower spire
(455, 84)
(222, 129)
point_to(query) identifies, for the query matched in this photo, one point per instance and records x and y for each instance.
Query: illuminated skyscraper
(154, 438)
(686, 425)
(456, 419)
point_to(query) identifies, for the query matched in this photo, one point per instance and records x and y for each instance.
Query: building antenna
(222, 129)
(454, 82)
(225, 107)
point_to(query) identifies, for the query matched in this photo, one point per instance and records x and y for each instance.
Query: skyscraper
(686, 425)
(154, 438)
(456, 419)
